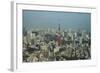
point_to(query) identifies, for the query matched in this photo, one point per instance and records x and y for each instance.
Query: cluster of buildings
(56, 45)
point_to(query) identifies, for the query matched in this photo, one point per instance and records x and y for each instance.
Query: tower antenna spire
(59, 28)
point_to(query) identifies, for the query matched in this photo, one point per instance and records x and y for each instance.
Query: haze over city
(33, 19)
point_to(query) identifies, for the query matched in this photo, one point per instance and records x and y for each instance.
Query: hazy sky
(49, 19)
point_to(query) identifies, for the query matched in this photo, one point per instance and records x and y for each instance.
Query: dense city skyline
(41, 44)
